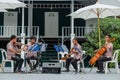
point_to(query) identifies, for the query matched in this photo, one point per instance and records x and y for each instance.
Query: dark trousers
(18, 62)
(100, 62)
(32, 58)
(73, 62)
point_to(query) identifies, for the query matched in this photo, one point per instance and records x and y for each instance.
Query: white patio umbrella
(110, 2)
(11, 4)
(96, 11)
(3, 10)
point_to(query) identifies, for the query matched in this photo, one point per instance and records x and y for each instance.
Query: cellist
(107, 55)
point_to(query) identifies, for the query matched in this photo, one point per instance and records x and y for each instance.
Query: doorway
(51, 24)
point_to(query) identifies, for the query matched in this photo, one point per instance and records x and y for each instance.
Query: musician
(12, 51)
(76, 51)
(107, 56)
(32, 55)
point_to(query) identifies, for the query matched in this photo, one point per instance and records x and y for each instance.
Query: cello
(99, 53)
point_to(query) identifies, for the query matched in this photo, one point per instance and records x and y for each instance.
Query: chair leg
(27, 67)
(92, 67)
(117, 67)
(106, 67)
(62, 63)
(83, 67)
(2, 68)
(78, 66)
(109, 70)
(12, 66)
(3, 65)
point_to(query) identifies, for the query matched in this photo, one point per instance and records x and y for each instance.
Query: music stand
(61, 49)
(39, 48)
(42, 49)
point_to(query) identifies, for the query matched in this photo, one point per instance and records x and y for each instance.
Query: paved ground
(63, 76)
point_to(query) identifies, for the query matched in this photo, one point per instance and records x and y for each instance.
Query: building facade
(43, 18)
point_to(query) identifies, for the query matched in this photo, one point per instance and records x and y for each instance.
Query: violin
(19, 47)
(72, 51)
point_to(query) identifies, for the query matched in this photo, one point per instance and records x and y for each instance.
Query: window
(56, 6)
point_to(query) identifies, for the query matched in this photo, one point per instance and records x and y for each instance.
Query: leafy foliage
(108, 26)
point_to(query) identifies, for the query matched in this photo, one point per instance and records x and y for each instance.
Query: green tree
(108, 26)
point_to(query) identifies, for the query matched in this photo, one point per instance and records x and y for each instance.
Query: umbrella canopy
(110, 2)
(96, 11)
(3, 10)
(11, 4)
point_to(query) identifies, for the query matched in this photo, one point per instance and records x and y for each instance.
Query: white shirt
(109, 50)
(78, 49)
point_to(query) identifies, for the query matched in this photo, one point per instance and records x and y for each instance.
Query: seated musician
(107, 56)
(12, 52)
(76, 51)
(32, 55)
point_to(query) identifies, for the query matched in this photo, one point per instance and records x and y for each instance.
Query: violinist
(76, 51)
(12, 51)
(107, 56)
(32, 55)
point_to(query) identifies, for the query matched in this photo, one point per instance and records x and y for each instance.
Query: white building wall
(90, 22)
(10, 20)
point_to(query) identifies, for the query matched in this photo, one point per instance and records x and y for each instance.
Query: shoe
(15, 71)
(76, 72)
(66, 71)
(80, 71)
(33, 69)
(20, 71)
(100, 71)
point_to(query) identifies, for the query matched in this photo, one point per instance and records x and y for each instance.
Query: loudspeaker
(53, 67)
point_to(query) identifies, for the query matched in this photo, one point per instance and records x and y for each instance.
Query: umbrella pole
(23, 35)
(99, 32)
(72, 23)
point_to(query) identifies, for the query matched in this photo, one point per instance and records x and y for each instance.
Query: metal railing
(7, 31)
(79, 32)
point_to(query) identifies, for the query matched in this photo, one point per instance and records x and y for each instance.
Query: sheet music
(57, 48)
(43, 47)
(36, 47)
(61, 48)
(64, 47)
